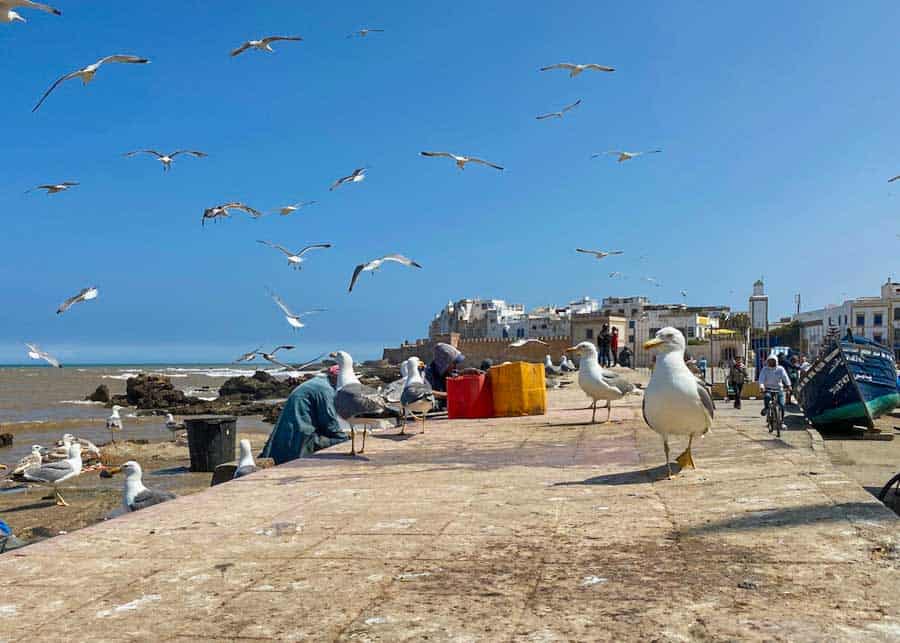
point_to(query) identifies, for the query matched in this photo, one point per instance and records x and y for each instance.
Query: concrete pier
(518, 529)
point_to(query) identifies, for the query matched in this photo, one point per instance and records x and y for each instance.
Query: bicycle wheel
(893, 483)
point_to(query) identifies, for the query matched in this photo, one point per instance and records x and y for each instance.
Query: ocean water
(39, 404)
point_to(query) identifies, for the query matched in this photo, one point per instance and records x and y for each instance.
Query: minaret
(759, 307)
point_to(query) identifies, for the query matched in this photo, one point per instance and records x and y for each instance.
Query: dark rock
(100, 394)
(260, 386)
(151, 392)
(6, 440)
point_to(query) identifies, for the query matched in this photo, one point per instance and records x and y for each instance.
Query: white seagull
(600, 254)
(560, 113)
(135, 496)
(574, 69)
(675, 403)
(417, 395)
(294, 319)
(519, 343)
(460, 160)
(295, 259)
(270, 357)
(597, 383)
(375, 264)
(246, 465)
(359, 174)
(8, 15)
(290, 209)
(264, 44)
(362, 33)
(33, 459)
(86, 74)
(224, 210)
(54, 188)
(358, 404)
(248, 357)
(55, 473)
(85, 294)
(172, 424)
(34, 352)
(166, 159)
(624, 156)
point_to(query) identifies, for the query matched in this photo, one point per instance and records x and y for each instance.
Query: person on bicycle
(773, 379)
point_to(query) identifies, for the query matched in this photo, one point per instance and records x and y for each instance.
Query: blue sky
(777, 121)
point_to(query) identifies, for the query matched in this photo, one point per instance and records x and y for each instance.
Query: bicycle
(774, 415)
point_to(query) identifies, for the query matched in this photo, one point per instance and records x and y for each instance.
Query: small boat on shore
(852, 383)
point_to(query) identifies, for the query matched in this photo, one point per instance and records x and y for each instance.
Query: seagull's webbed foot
(60, 501)
(685, 460)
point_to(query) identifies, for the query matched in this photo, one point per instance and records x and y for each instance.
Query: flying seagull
(362, 33)
(223, 211)
(560, 113)
(600, 254)
(264, 44)
(34, 352)
(616, 275)
(358, 175)
(375, 264)
(290, 209)
(294, 319)
(270, 357)
(85, 294)
(624, 156)
(248, 357)
(574, 69)
(166, 159)
(8, 15)
(460, 160)
(86, 74)
(135, 495)
(54, 188)
(519, 343)
(295, 259)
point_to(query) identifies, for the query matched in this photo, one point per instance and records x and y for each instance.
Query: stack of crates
(469, 396)
(518, 389)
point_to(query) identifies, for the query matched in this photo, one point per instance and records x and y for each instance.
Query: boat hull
(851, 385)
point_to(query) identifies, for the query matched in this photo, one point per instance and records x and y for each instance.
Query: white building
(497, 319)
(759, 307)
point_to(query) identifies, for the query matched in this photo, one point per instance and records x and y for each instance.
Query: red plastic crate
(469, 396)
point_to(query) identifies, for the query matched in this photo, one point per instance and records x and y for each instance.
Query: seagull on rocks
(290, 209)
(248, 357)
(560, 113)
(54, 188)
(85, 294)
(224, 210)
(597, 383)
(270, 357)
(417, 395)
(246, 465)
(600, 254)
(135, 496)
(86, 74)
(624, 156)
(359, 174)
(294, 319)
(263, 44)
(55, 473)
(461, 160)
(357, 404)
(375, 264)
(7, 13)
(34, 352)
(574, 69)
(114, 422)
(519, 343)
(295, 259)
(675, 403)
(362, 33)
(166, 159)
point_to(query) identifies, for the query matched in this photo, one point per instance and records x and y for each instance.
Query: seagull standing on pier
(597, 383)
(246, 465)
(356, 403)
(675, 403)
(375, 264)
(135, 496)
(7, 13)
(86, 74)
(417, 395)
(85, 294)
(55, 473)
(295, 259)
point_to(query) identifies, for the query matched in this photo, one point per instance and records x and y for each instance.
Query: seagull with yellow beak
(675, 403)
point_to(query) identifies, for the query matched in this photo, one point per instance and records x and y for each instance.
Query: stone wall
(477, 350)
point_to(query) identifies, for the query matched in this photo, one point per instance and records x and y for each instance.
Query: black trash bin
(210, 440)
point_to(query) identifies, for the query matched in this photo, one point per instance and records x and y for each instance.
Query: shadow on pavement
(792, 516)
(642, 476)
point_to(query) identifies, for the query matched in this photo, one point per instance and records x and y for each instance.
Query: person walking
(603, 345)
(614, 345)
(737, 375)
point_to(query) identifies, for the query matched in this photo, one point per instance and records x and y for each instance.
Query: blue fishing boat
(852, 383)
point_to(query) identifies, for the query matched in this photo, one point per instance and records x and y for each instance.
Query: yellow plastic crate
(518, 389)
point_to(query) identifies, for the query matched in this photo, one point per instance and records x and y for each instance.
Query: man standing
(737, 375)
(603, 345)
(614, 345)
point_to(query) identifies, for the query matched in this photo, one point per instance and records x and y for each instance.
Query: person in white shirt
(773, 379)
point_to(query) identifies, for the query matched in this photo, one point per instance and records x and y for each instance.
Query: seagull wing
(193, 153)
(136, 152)
(244, 208)
(891, 180)
(312, 246)
(56, 84)
(589, 252)
(278, 363)
(49, 359)
(568, 66)
(276, 246)
(472, 159)
(356, 273)
(596, 67)
(616, 252)
(266, 41)
(74, 299)
(241, 49)
(550, 115)
(278, 302)
(438, 155)
(36, 5)
(287, 347)
(572, 106)
(340, 182)
(406, 261)
(122, 58)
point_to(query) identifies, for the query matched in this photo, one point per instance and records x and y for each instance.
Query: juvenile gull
(263, 44)
(460, 160)
(356, 403)
(246, 465)
(560, 113)
(33, 459)
(624, 156)
(375, 264)
(294, 319)
(362, 33)
(417, 396)
(85, 294)
(135, 496)
(224, 211)
(574, 69)
(34, 352)
(359, 174)
(675, 403)
(55, 473)
(295, 259)
(597, 383)
(600, 254)
(166, 159)
(290, 209)
(86, 74)
(7, 13)
(54, 188)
